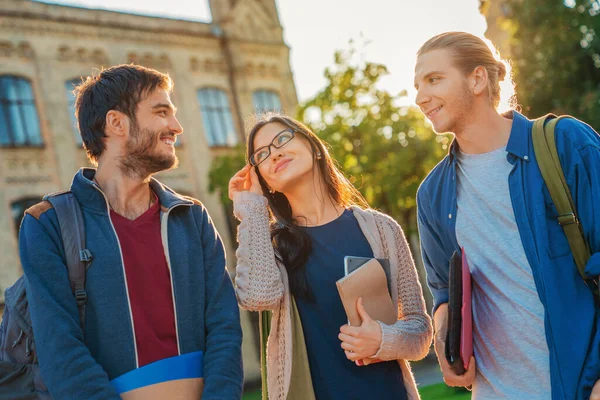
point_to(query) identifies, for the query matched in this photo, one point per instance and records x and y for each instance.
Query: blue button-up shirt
(570, 317)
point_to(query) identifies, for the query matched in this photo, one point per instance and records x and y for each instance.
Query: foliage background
(555, 53)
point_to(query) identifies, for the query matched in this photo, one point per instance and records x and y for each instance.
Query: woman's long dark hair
(292, 244)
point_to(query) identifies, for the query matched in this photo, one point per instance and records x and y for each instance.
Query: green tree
(556, 56)
(384, 147)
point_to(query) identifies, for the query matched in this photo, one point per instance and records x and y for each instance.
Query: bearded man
(160, 303)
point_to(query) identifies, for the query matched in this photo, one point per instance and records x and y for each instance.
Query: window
(266, 100)
(218, 122)
(70, 86)
(19, 122)
(18, 209)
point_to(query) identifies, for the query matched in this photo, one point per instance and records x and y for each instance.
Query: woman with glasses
(299, 217)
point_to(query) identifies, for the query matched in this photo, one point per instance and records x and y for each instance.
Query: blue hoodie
(79, 364)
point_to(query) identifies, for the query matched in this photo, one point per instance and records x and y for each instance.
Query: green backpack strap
(544, 144)
(264, 325)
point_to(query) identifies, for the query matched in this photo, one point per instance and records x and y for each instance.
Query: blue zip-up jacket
(78, 364)
(570, 315)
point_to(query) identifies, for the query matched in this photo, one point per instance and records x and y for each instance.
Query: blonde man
(535, 321)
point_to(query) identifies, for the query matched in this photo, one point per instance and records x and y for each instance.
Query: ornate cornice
(82, 55)
(158, 61)
(21, 50)
(34, 10)
(104, 33)
(262, 70)
(209, 65)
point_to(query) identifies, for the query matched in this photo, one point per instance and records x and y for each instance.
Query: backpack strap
(544, 144)
(72, 230)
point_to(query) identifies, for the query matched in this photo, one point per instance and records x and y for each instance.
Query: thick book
(459, 340)
(175, 378)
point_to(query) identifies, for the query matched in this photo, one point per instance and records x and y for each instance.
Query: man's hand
(450, 377)
(595, 391)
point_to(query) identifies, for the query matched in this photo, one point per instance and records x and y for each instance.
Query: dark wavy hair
(292, 245)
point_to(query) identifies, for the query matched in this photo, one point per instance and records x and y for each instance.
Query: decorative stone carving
(24, 164)
(25, 50)
(158, 36)
(29, 168)
(263, 70)
(252, 20)
(21, 50)
(27, 179)
(209, 65)
(99, 57)
(6, 49)
(151, 60)
(258, 50)
(81, 55)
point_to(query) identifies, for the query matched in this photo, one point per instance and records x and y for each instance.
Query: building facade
(223, 71)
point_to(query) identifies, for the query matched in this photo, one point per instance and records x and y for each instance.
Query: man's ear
(479, 80)
(117, 124)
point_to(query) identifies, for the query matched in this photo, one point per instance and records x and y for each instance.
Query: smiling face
(288, 164)
(150, 147)
(442, 91)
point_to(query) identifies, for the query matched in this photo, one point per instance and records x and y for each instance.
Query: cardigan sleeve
(410, 337)
(258, 281)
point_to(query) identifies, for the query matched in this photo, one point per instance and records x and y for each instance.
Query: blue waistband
(185, 366)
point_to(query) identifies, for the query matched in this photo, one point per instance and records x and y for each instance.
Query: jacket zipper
(165, 242)
(137, 364)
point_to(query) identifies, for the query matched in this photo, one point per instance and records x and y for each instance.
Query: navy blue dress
(335, 377)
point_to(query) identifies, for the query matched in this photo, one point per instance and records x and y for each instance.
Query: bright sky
(314, 29)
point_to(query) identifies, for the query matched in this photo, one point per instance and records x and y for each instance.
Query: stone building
(223, 72)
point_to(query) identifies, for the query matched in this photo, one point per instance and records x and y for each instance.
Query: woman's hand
(245, 180)
(361, 341)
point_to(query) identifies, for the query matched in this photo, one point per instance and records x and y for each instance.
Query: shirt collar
(518, 144)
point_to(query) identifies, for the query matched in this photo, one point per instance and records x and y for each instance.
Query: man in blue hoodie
(535, 323)
(160, 309)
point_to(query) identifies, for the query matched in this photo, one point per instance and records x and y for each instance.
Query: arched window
(216, 113)
(70, 86)
(19, 121)
(18, 208)
(266, 100)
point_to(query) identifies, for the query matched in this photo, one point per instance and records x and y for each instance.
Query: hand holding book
(361, 342)
(366, 298)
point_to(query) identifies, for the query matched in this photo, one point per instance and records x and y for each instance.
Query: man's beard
(141, 158)
(463, 106)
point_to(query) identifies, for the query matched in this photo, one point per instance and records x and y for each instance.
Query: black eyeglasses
(280, 140)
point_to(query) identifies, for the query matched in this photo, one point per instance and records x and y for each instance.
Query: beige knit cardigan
(262, 284)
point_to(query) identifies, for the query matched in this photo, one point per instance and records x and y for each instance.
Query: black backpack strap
(78, 257)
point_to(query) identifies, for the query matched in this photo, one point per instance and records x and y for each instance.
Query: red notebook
(459, 341)
(466, 328)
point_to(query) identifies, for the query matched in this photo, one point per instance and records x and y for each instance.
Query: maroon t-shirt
(149, 285)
